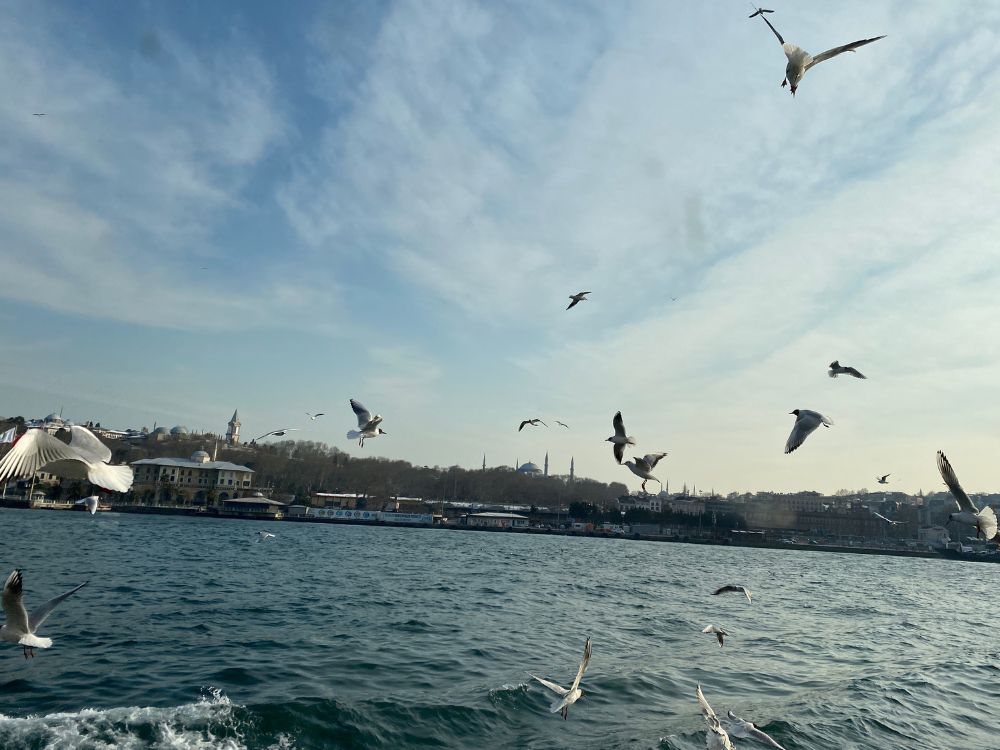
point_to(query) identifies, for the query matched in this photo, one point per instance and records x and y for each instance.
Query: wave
(213, 722)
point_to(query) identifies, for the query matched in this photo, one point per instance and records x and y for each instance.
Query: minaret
(546, 463)
(233, 433)
(484, 462)
(572, 469)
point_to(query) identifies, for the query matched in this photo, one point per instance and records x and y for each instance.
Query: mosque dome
(200, 457)
(53, 418)
(160, 431)
(529, 468)
(179, 430)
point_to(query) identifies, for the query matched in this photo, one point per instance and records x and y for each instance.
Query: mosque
(531, 469)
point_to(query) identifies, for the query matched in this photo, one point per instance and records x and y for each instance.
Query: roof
(497, 515)
(187, 463)
(253, 501)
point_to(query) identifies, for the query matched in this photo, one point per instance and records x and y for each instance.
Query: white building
(497, 520)
(198, 473)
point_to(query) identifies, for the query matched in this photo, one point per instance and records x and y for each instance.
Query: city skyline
(282, 209)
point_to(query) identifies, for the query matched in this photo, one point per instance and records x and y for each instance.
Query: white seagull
(91, 503)
(620, 439)
(85, 457)
(263, 536)
(716, 739)
(748, 730)
(984, 520)
(19, 627)
(577, 298)
(718, 632)
(806, 421)
(643, 467)
(567, 697)
(838, 369)
(276, 433)
(884, 479)
(889, 521)
(368, 426)
(314, 417)
(799, 61)
(732, 589)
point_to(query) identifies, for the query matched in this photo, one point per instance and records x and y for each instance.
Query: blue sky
(276, 209)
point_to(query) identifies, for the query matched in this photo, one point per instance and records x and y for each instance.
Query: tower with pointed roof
(233, 433)
(546, 463)
(572, 469)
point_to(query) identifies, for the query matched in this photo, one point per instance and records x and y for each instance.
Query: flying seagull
(837, 369)
(799, 61)
(748, 730)
(758, 11)
(984, 520)
(879, 515)
(314, 417)
(716, 739)
(643, 467)
(884, 479)
(562, 423)
(91, 503)
(263, 536)
(85, 457)
(276, 433)
(533, 422)
(719, 633)
(578, 297)
(805, 422)
(567, 697)
(620, 439)
(733, 589)
(19, 627)
(38, 114)
(368, 426)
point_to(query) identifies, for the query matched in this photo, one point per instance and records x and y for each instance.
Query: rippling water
(191, 634)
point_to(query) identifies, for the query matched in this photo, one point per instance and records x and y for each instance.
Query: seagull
(806, 421)
(879, 515)
(837, 369)
(799, 61)
(533, 422)
(884, 479)
(643, 467)
(984, 520)
(276, 433)
(368, 426)
(759, 11)
(578, 297)
(562, 423)
(733, 589)
(716, 739)
(91, 503)
(314, 417)
(38, 114)
(263, 536)
(620, 439)
(19, 627)
(719, 632)
(747, 729)
(567, 697)
(85, 457)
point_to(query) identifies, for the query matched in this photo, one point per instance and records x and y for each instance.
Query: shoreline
(946, 555)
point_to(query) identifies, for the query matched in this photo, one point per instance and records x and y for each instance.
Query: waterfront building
(256, 505)
(497, 520)
(199, 474)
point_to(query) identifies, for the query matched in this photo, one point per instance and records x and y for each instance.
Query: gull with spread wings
(984, 520)
(85, 457)
(567, 697)
(620, 439)
(19, 627)
(716, 739)
(368, 426)
(643, 467)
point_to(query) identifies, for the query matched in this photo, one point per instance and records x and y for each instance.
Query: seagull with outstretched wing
(567, 697)
(716, 739)
(533, 422)
(805, 422)
(368, 426)
(733, 589)
(643, 467)
(85, 457)
(619, 439)
(748, 730)
(276, 433)
(799, 61)
(19, 627)
(984, 520)
(577, 298)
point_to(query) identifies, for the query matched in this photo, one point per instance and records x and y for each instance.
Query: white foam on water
(209, 724)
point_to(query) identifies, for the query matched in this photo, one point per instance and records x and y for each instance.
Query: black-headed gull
(884, 479)
(314, 417)
(643, 467)
(887, 520)
(90, 503)
(716, 739)
(368, 426)
(620, 439)
(984, 520)
(577, 298)
(806, 421)
(838, 369)
(748, 730)
(718, 632)
(562, 423)
(19, 627)
(276, 433)
(799, 61)
(85, 457)
(733, 589)
(567, 697)
(533, 422)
